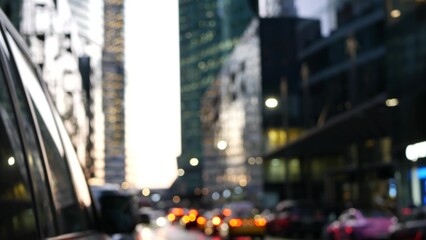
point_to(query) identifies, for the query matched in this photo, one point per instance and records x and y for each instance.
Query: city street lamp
(271, 102)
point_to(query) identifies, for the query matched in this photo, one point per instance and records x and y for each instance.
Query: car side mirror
(118, 213)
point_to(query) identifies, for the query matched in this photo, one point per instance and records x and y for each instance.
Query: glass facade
(208, 32)
(362, 91)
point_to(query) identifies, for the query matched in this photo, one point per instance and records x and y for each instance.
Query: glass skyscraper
(208, 32)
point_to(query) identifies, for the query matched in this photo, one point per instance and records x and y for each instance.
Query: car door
(58, 198)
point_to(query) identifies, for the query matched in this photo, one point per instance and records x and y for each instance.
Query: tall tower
(113, 92)
(208, 32)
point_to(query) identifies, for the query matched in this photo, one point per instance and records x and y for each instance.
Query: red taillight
(348, 230)
(283, 222)
(235, 222)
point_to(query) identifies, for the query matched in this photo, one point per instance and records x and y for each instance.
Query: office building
(361, 95)
(208, 32)
(231, 117)
(113, 92)
(48, 29)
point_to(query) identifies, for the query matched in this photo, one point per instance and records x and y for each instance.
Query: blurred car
(411, 225)
(361, 224)
(292, 218)
(243, 220)
(44, 193)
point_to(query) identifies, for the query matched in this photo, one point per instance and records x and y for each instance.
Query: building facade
(52, 37)
(113, 87)
(361, 96)
(231, 117)
(208, 32)
(88, 15)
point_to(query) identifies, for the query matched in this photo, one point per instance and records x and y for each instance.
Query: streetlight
(271, 102)
(194, 162)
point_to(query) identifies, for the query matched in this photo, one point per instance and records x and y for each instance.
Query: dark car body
(43, 191)
(411, 225)
(296, 218)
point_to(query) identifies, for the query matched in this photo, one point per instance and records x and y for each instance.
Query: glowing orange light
(185, 219)
(260, 222)
(171, 217)
(201, 221)
(177, 211)
(193, 212)
(192, 217)
(227, 212)
(235, 222)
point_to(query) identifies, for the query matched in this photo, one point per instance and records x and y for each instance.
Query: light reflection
(396, 13)
(180, 172)
(215, 196)
(11, 161)
(156, 197)
(176, 199)
(243, 182)
(146, 192)
(392, 102)
(194, 162)
(125, 185)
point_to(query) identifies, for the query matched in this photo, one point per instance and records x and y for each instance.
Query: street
(172, 232)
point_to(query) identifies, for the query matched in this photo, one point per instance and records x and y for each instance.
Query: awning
(370, 120)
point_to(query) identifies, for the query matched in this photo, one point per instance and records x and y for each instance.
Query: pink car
(361, 224)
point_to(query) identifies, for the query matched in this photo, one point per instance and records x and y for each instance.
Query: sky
(152, 86)
(152, 91)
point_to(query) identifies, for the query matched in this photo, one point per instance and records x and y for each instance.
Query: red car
(361, 224)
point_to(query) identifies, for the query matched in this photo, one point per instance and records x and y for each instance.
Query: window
(17, 215)
(72, 208)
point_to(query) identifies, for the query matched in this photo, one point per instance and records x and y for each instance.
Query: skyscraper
(113, 92)
(208, 32)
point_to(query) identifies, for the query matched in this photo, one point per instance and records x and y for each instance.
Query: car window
(32, 151)
(17, 217)
(71, 211)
